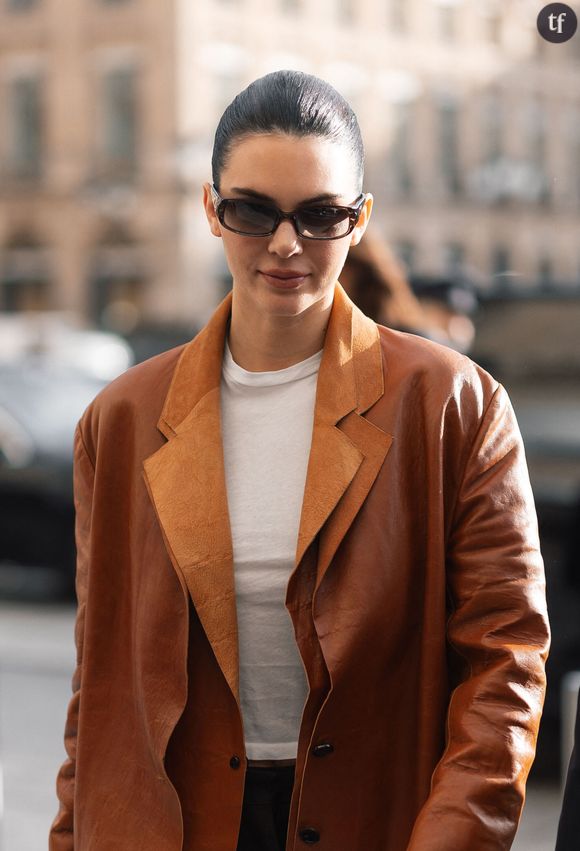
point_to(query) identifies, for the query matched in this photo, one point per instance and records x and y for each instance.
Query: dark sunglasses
(257, 218)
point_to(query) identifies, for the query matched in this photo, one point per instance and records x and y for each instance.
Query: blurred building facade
(89, 201)
(471, 123)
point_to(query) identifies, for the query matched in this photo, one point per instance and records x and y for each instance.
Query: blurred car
(49, 372)
(57, 338)
(449, 303)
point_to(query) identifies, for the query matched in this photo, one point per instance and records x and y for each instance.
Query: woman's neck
(265, 343)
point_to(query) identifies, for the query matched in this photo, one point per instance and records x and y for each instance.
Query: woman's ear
(210, 212)
(363, 220)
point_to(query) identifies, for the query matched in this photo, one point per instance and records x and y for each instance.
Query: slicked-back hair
(290, 102)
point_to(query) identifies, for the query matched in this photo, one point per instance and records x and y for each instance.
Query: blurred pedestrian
(375, 281)
(448, 302)
(438, 309)
(311, 597)
(569, 824)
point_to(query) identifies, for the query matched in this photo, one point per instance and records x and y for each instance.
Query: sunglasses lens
(248, 217)
(253, 218)
(323, 222)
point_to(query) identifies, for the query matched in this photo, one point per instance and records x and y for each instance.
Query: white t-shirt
(267, 420)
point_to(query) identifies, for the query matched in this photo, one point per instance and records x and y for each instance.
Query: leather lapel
(347, 451)
(186, 479)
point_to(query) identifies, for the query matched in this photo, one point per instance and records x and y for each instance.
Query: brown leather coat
(417, 599)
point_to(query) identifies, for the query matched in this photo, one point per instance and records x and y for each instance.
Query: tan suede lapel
(186, 477)
(186, 482)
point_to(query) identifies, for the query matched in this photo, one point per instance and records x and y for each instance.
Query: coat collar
(342, 385)
(186, 481)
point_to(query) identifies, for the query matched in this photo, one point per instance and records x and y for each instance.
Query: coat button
(309, 835)
(235, 762)
(322, 749)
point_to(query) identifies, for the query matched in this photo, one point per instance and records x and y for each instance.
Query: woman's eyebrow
(324, 196)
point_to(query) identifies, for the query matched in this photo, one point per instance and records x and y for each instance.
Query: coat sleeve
(61, 837)
(498, 634)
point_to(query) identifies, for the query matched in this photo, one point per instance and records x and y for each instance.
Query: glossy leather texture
(417, 599)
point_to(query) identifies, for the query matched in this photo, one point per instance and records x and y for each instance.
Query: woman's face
(287, 171)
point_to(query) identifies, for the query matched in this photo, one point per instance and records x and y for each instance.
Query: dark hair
(288, 102)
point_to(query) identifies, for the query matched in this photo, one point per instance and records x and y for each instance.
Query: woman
(311, 598)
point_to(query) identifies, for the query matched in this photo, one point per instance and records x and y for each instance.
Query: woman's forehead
(282, 168)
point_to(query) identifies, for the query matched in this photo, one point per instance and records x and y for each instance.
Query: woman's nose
(285, 242)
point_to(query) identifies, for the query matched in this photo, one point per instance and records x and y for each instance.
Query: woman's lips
(284, 279)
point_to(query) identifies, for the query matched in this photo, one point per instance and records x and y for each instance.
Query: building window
(492, 127)
(21, 5)
(19, 296)
(535, 120)
(406, 251)
(118, 149)
(227, 85)
(573, 50)
(573, 139)
(225, 65)
(541, 46)
(24, 276)
(454, 258)
(501, 266)
(398, 20)
(493, 27)
(346, 12)
(24, 125)
(118, 283)
(449, 145)
(446, 22)
(545, 273)
(402, 168)
(536, 134)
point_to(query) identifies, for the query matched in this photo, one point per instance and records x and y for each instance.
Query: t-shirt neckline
(237, 373)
